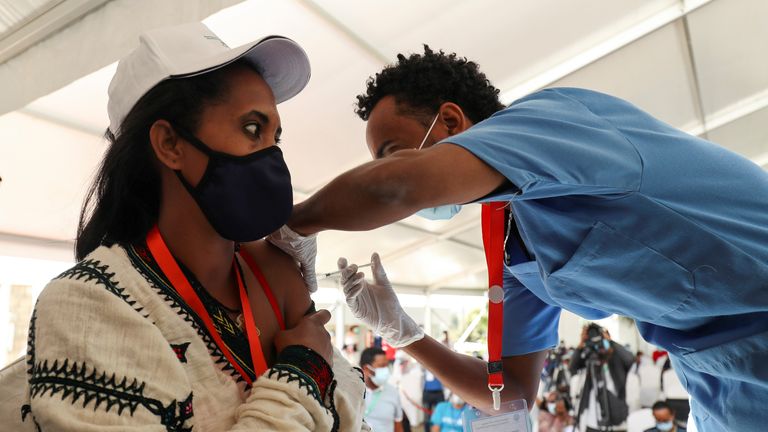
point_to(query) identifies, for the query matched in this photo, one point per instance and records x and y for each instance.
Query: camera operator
(556, 375)
(602, 404)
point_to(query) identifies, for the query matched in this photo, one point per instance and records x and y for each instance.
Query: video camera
(612, 410)
(596, 344)
(555, 356)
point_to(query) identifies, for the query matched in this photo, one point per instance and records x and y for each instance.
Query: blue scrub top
(627, 215)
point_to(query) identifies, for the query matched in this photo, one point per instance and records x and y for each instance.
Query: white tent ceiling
(699, 65)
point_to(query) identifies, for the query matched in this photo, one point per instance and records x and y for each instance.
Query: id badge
(513, 417)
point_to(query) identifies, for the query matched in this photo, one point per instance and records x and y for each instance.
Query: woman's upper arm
(297, 302)
(284, 280)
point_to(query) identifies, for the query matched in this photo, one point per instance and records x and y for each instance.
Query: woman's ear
(454, 118)
(166, 144)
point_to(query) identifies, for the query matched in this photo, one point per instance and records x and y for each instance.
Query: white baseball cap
(193, 49)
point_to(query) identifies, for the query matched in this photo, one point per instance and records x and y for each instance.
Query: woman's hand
(309, 332)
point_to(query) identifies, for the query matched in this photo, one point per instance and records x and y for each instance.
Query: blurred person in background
(350, 349)
(383, 410)
(665, 419)
(433, 394)
(554, 413)
(605, 363)
(557, 375)
(389, 351)
(447, 416)
(408, 376)
(639, 359)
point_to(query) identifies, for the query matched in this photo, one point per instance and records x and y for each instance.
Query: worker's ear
(166, 144)
(454, 119)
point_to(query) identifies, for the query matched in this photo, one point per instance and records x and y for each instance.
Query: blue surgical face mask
(606, 344)
(666, 426)
(439, 213)
(380, 376)
(552, 407)
(443, 212)
(456, 400)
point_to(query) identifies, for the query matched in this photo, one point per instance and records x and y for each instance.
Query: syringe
(338, 272)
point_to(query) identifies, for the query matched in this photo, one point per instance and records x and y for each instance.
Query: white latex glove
(376, 304)
(302, 249)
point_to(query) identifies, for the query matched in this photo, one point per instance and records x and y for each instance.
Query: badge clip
(496, 394)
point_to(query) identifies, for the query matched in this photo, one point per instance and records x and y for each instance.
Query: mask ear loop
(196, 143)
(192, 139)
(202, 147)
(429, 131)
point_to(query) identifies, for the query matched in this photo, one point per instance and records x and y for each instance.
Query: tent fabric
(102, 37)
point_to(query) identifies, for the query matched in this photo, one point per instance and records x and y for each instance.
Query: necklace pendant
(239, 322)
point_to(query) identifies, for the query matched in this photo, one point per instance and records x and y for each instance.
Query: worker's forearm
(360, 199)
(465, 375)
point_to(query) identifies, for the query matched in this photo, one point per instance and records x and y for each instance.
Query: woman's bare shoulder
(284, 278)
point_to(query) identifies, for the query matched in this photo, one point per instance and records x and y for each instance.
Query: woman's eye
(253, 128)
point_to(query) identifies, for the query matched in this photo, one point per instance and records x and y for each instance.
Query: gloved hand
(302, 249)
(376, 304)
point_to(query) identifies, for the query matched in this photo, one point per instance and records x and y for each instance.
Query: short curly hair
(423, 82)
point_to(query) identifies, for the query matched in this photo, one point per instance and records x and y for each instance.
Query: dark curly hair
(423, 82)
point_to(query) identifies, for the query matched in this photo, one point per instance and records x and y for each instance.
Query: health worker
(611, 212)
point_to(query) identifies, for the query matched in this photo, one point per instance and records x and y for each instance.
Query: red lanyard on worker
(493, 241)
(181, 284)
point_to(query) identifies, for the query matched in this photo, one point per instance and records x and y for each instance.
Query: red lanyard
(181, 284)
(493, 239)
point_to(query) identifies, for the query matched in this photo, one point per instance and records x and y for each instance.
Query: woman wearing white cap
(179, 316)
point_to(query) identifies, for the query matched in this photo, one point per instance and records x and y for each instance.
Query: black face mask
(246, 197)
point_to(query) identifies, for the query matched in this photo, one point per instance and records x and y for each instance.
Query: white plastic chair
(640, 420)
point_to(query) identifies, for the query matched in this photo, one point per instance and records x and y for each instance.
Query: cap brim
(281, 62)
